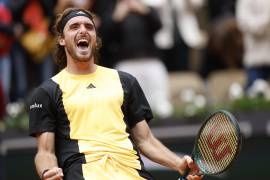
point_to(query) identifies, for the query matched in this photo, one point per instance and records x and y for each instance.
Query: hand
(54, 173)
(138, 7)
(121, 10)
(187, 163)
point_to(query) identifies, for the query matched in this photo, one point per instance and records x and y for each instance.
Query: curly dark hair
(60, 57)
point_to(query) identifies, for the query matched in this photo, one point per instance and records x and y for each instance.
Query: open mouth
(83, 44)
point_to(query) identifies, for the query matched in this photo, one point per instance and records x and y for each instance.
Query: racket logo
(217, 143)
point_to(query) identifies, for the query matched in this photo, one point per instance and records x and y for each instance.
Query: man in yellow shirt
(90, 121)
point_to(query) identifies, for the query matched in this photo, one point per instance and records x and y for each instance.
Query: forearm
(45, 160)
(153, 149)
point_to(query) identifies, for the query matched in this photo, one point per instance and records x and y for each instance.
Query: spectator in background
(180, 32)
(218, 9)
(224, 48)
(37, 40)
(2, 103)
(6, 41)
(18, 87)
(2, 112)
(104, 9)
(253, 19)
(83, 4)
(133, 26)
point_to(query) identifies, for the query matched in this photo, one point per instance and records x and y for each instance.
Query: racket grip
(184, 177)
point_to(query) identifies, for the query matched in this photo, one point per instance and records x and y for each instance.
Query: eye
(89, 26)
(74, 26)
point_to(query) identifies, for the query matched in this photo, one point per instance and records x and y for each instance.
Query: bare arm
(45, 158)
(153, 149)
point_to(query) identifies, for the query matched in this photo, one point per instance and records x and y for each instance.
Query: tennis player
(90, 122)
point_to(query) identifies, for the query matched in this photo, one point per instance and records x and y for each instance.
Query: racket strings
(221, 121)
(217, 146)
(217, 143)
(231, 141)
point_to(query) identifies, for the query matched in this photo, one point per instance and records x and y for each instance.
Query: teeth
(82, 40)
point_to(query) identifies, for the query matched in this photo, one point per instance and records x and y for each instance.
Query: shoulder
(47, 89)
(129, 82)
(47, 86)
(45, 95)
(126, 77)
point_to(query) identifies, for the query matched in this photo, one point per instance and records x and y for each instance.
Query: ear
(61, 41)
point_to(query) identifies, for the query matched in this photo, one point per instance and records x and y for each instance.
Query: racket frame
(233, 120)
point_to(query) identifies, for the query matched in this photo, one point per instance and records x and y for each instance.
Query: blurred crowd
(148, 38)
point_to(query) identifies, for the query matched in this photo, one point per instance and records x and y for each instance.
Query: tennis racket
(217, 144)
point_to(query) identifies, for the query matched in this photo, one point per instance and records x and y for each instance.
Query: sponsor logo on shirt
(35, 106)
(91, 86)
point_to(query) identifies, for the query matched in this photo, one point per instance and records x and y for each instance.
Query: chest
(91, 94)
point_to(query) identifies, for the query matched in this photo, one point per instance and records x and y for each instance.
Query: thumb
(191, 165)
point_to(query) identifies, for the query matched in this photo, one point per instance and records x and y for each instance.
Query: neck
(76, 67)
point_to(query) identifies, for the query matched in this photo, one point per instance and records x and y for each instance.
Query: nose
(82, 29)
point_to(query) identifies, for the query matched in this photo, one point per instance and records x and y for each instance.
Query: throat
(82, 68)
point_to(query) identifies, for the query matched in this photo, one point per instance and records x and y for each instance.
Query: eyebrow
(78, 23)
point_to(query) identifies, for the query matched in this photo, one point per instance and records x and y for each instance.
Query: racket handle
(184, 177)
